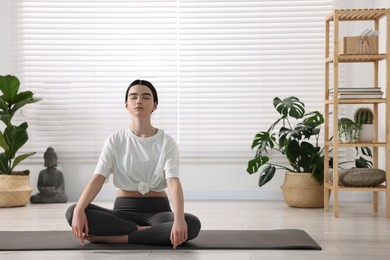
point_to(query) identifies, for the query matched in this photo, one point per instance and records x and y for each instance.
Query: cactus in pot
(365, 117)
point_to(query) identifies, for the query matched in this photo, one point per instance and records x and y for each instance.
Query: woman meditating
(144, 161)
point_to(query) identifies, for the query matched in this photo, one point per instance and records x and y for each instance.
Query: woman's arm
(179, 233)
(79, 221)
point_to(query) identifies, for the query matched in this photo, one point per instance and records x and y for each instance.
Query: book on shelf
(360, 96)
(358, 92)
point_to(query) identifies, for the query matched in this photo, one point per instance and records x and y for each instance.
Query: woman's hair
(143, 83)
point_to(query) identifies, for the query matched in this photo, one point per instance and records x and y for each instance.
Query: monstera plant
(13, 137)
(296, 139)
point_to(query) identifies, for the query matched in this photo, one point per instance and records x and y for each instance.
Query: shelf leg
(336, 203)
(375, 201)
(326, 199)
(387, 203)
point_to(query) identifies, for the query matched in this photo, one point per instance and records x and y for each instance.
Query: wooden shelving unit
(333, 60)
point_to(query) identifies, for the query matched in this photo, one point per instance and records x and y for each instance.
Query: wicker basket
(302, 190)
(15, 190)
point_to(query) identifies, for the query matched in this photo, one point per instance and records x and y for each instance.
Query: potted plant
(365, 117)
(296, 139)
(15, 189)
(348, 130)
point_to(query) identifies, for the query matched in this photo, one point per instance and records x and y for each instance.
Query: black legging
(130, 212)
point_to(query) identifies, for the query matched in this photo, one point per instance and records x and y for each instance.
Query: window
(216, 64)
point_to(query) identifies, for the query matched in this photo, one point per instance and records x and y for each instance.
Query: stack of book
(357, 93)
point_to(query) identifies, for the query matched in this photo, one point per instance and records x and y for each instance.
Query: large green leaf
(16, 137)
(318, 168)
(20, 158)
(308, 155)
(20, 137)
(290, 106)
(363, 163)
(23, 99)
(3, 142)
(293, 152)
(365, 151)
(256, 163)
(3, 105)
(9, 85)
(4, 163)
(314, 119)
(302, 131)
(266, 175)
(263, 140)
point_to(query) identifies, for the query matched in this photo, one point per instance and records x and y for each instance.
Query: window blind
(217, 65)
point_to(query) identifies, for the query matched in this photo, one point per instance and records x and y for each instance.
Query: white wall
(200, 180)
(6, 39)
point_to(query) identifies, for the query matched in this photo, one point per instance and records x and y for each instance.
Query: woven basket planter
(15, 190)
(302, 190)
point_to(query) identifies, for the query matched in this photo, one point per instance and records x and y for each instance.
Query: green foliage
(297, 143)
(348, 130)
(291, 141)
(364, 116)
(13, 137)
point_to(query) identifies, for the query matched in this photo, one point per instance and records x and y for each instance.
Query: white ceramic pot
(367, 133)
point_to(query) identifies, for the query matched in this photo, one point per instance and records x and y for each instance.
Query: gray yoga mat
(207, 239)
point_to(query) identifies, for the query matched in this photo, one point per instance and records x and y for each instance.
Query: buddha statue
(51, 183)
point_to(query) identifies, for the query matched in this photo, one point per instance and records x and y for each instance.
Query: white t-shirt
(137, 163)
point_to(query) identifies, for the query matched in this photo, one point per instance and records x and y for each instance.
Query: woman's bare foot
(113, 239)
(108, 239)
(139, 228)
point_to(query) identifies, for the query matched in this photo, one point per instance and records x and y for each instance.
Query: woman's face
(140, 101)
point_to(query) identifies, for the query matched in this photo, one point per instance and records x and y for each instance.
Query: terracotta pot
(15, 190)
(302, 190)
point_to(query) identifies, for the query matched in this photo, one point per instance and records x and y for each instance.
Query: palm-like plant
(298, 143)
(13, 137)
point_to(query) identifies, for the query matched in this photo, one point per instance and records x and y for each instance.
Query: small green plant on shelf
(348, 130)
(365, 117)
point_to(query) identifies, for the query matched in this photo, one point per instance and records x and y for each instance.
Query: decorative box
(359, 45)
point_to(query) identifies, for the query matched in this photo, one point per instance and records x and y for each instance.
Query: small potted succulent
(365, 117)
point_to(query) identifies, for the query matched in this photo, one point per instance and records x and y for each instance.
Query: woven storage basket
(15, 190)
(302, 190)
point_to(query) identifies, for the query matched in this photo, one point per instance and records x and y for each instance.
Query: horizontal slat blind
(217, 65)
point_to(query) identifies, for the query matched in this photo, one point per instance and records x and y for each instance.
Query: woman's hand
(179, 233)
(79, 222)
(80, 225)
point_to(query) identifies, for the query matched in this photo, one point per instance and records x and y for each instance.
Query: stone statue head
(50, 157)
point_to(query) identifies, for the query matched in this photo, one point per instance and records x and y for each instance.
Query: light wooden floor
(357, 234)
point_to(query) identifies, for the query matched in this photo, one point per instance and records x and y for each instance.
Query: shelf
(357, 101)
(332, 102)
(367, 144)
(357, 58)
(357, 14)
(329, 186)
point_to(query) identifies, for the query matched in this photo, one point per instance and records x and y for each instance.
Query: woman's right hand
(79, 222)
(80, 225)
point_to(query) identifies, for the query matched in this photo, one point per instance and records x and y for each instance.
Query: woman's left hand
(179, 233)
